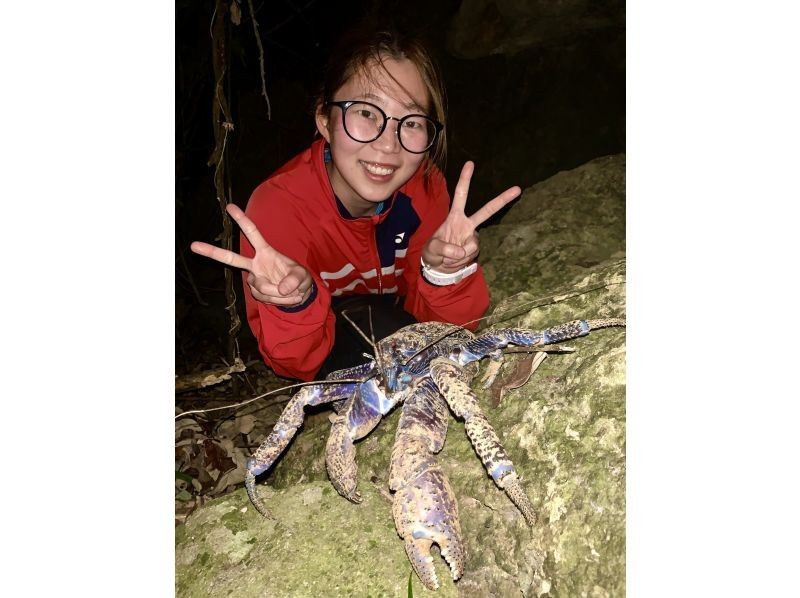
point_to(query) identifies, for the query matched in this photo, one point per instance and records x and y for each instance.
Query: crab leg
(356, 419)
(450, 380)
(359, 372)
(424, 507)
(490, 342)
(286, 427)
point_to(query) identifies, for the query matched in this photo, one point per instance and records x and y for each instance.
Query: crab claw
(425, 513)
(250, 484)
(340, 461)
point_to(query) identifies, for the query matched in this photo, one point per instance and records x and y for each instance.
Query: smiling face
(364, 174)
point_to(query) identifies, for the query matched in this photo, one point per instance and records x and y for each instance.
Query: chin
(377, 192)
(380, 195)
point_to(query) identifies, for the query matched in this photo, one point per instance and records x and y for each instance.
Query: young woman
(361, 218)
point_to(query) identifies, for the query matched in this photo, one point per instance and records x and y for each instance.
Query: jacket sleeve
(459, 304)
(293, 342)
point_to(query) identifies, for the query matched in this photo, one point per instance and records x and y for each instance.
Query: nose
(389, 140)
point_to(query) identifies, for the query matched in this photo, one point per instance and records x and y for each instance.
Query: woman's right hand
(274, 278)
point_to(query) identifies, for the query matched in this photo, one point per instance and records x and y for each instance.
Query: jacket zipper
(378, 258)
(375, 239)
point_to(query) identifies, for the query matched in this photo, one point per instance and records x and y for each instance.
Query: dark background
(547, 95)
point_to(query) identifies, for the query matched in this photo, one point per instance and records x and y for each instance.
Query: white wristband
(441, 279)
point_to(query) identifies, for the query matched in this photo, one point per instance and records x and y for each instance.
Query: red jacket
(297, 213)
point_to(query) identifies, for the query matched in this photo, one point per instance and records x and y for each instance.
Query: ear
(321, 117)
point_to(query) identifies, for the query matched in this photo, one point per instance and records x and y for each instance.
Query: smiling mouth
(377, 169)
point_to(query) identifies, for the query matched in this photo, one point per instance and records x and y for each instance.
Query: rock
(560, 231)
(486, 27)
(558, 255)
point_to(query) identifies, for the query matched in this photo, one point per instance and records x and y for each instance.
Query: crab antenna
(375, 346)
(357, 329)
(271, 392)
(370, 341)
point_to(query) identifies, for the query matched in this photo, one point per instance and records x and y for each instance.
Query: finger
(494, 206)
(278, 300)
(435, 251)
(471, 246)
(296, 282)
(248, 227)
(266, 292)
(305, 282)
(306, 293)
(452, 264)
(222, 255)
(460, 263)
(462, 187)
(470, 253)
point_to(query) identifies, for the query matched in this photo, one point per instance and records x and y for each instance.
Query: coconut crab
(423, 367)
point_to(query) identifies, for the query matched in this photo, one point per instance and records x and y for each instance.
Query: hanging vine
(223, 126)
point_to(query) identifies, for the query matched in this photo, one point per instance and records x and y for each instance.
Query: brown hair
(366, 46)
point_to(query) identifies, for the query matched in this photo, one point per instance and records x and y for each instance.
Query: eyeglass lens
(365, 122)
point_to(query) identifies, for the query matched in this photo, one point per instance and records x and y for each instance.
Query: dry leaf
(517, 377)
(186, 423)
(231, 478)
(235, 475)
(245, 423)
(216, 457)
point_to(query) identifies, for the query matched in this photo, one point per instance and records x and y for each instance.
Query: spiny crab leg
(287, 425)
(358, 418)
(424, 506)
(490, 342)
(450, 380)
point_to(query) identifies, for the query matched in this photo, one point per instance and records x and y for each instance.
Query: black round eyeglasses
(365, 122)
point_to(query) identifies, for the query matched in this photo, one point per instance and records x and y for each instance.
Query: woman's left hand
(454, 245)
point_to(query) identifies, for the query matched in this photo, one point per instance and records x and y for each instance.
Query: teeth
(379, 170)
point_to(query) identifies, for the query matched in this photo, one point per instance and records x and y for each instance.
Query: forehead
(392, 81)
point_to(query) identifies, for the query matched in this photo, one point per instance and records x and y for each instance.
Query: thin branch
(223, 125)
(260, 58)
(190, 278)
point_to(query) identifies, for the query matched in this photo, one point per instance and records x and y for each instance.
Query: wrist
(439, 278)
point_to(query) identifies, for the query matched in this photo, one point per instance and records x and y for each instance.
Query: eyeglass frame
(345, 104)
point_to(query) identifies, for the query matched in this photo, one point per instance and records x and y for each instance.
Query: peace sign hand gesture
(454, 245)
(274, 278)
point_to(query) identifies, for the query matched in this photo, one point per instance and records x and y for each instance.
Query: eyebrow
(409, 105)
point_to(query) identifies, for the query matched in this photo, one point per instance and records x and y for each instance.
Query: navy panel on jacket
(394, 232)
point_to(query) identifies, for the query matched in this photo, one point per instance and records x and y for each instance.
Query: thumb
(290, 282)
(453, 252)
(437, 249)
